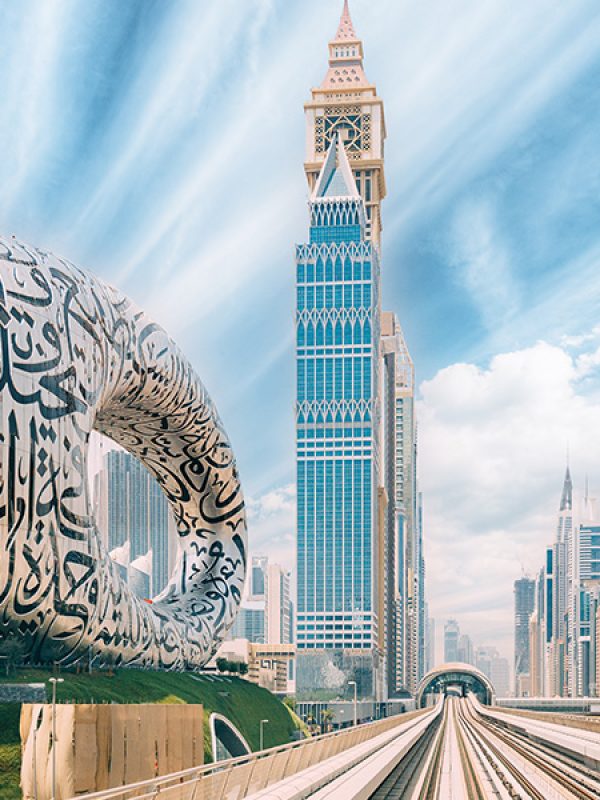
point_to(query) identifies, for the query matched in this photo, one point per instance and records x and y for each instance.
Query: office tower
(538, 637)
(587, 554)
(484, 656)
(340, 529)
(257, 584)
(265, 615)
(495, 667)
(250, 622)
(535, 657)
(547, 625)
(431, 661)
(562, 592)
(279, 608)
(524, 590)
(419, 590)
(337, 430)
(451, 637)
(137, 515)
(403, 570)
(466, 653)
(500, 675)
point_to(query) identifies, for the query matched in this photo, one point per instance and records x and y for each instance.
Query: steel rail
(504, 761)
(427, 787)
(500, 787)
(472, 775)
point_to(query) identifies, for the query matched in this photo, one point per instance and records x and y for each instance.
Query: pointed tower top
(345, 57)
(336, 178)
(566, 500)
(345, 30)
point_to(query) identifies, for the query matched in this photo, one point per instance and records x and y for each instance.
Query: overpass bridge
(456, 745)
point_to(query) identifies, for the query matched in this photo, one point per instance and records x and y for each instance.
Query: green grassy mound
(240, 701)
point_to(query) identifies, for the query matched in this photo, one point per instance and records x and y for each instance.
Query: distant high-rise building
(451, 637)
(340, 527)
(500, 676)
(539, 636)
(431, 660)
(562, 594)
(484, 655)
(404, 567)
(495, 667)
(587, 596)
(279, 607)
(265, 615)
(524, 590)
(137, 515)
(258, 578)
(466, 653)
(419, 590)
(250, 622)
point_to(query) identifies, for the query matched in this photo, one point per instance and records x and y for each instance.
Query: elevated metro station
(455, 679)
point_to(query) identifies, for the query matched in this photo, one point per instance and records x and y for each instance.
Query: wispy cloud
(483, 263)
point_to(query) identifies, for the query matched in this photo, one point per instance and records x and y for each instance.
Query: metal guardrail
(237, 778)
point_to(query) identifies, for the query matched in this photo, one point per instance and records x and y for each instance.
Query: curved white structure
(226, 737)
(77, 356)
(451, 673)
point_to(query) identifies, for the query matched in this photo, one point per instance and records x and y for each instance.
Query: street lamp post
(262, 736)
(54, 681)
(353, 683)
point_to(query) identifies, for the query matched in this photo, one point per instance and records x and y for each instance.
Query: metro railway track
(582, 783)
(467, 756)
(400, 782)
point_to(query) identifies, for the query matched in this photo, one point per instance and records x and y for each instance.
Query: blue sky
(160, 144)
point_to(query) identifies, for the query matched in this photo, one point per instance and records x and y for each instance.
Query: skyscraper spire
(566, 500)
(346, 28)
(345, 57)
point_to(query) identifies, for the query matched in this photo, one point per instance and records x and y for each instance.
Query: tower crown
(347, 103)
(345, 56)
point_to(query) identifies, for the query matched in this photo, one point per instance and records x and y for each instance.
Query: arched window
(338, 333)
(320, 335)
(367, 333)
(347, 333)
(301, 334)
(329, 333)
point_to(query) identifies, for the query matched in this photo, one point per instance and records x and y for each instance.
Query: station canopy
(455, 678)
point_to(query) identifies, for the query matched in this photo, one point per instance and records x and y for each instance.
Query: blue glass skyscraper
(360, 577)
(337, 416)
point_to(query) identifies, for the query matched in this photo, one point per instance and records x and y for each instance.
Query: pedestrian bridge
(455, 678)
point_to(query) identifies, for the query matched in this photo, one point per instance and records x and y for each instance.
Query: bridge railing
(237, 778)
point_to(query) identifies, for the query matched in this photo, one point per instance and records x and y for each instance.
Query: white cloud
(272, 525)
(493, 446)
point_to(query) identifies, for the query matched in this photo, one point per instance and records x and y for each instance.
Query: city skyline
(481, 263)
